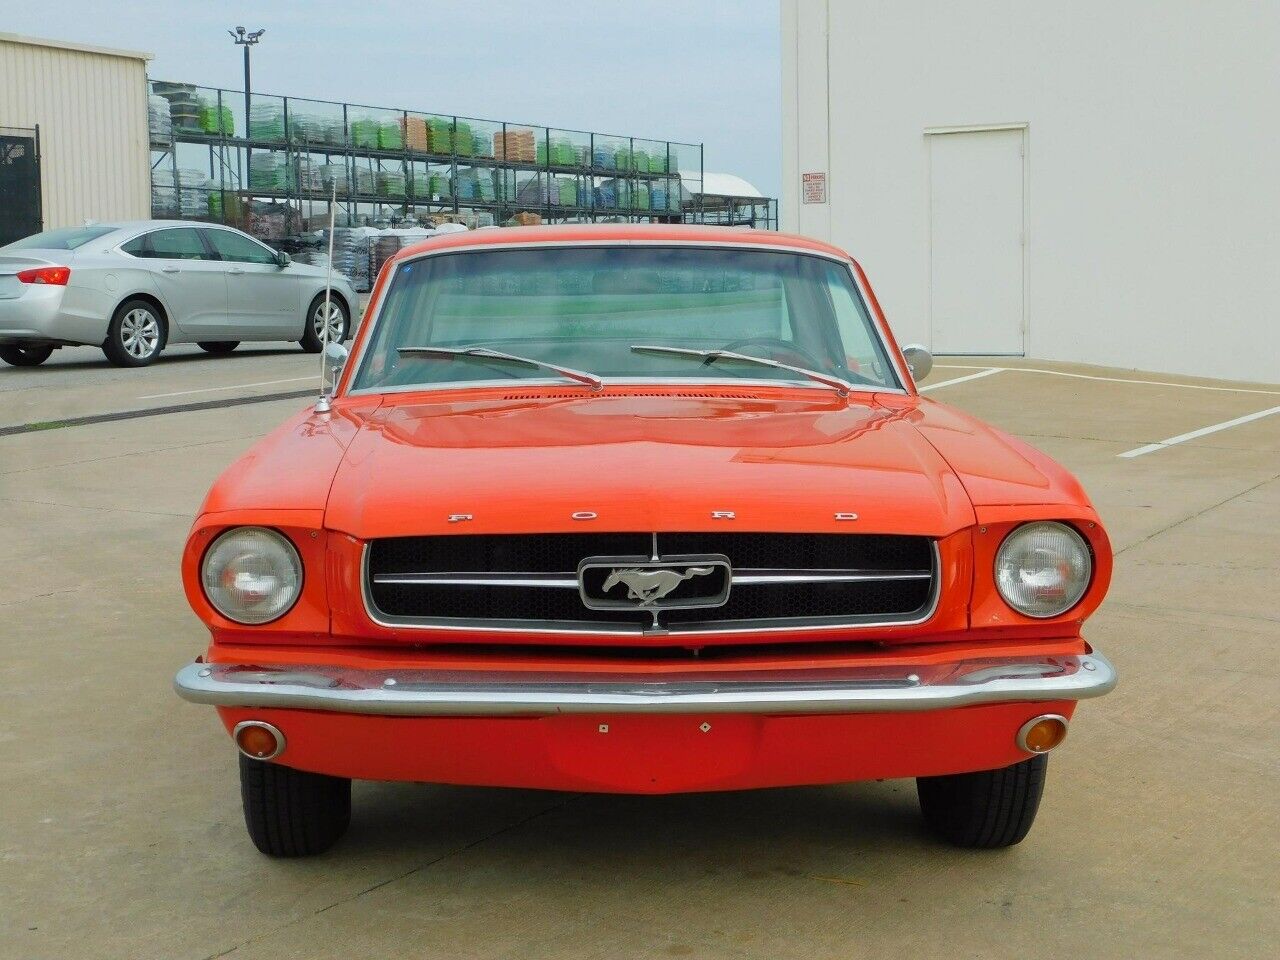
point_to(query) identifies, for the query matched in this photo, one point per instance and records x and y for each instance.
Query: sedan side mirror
(282, 259)
(919, 361)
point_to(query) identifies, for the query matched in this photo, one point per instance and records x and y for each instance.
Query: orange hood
(529, 461)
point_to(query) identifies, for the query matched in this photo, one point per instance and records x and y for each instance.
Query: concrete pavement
(121, 833)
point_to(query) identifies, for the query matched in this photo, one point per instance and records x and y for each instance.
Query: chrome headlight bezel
(269, 547)
(1076, 553)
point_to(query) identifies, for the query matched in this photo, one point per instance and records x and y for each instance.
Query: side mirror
(282, 259)
(335, 358)
(919, 361)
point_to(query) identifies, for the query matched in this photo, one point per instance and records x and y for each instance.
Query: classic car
(640, 509)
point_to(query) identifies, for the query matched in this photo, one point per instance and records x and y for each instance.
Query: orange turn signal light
(1041, 734)
(258, 740)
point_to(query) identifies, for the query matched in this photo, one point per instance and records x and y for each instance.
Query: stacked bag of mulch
(414, 132)
(266, 120)
(215, 120)
(188, 198)
(267, 171)
(159, 120)
(515, 144)
(390, 183)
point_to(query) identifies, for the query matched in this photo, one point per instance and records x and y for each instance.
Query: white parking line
(1203, 431)
(1085, 376)
(230, 386)
(972, 376)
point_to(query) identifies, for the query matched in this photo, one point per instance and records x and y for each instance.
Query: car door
(190, 282)
(262, 295)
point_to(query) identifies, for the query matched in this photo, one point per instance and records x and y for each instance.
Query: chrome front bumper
(879, 689)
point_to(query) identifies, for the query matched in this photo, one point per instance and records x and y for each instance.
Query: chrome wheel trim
(140, 333)
(336, 322)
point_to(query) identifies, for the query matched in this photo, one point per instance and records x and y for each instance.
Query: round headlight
(1043, 569)
(252, 575)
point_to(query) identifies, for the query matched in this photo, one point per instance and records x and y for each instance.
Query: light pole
(246, 40)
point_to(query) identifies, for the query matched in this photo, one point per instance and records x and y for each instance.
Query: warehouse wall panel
(91, 107)
(1151, 195)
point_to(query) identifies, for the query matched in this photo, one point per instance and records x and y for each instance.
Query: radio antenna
(323, 405)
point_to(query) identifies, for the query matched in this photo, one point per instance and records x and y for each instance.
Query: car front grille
(530, 582)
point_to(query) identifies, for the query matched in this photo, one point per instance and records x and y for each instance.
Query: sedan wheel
(136, 335)
(321, 315)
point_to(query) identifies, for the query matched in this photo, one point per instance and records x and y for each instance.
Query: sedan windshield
(587, 308)
(68, 238)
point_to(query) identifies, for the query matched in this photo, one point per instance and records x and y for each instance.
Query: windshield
(68, 238)
(585, 308)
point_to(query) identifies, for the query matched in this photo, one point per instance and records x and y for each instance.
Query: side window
(180, 243)
(137, 247)
(238, 248)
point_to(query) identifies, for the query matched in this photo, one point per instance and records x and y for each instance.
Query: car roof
(621, 233)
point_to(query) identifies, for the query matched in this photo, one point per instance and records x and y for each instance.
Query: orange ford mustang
(643, 510)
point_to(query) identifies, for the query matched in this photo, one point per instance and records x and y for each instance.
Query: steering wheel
(794, 354)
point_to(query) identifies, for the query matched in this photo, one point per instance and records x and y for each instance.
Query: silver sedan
(133, 288)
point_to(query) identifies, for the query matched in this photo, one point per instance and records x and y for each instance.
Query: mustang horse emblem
(647, 586)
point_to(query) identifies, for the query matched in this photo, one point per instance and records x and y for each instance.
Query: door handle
(171, 269)
(235, 271)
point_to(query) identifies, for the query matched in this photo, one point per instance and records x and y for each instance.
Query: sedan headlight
(1043, 569)
(252, 575)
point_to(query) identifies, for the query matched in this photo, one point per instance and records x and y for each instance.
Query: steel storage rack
(273, 172)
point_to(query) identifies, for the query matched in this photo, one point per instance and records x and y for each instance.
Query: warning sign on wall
(813, 187)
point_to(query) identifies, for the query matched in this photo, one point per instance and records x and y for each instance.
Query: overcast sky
(698, 71)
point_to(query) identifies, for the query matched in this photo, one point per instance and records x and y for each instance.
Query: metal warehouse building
(78, 115)
(1093, 181)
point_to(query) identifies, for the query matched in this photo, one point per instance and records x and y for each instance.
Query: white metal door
(976, 242)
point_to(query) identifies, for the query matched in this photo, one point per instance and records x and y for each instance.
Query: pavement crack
(85, 506)
(133, 453)
(1197, 514)
(447, 855)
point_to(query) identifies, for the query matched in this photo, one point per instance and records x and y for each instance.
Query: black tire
(137, 334)
(24, 356)
(217, 347)
(292, 813)
(985, 810)
(311, 341)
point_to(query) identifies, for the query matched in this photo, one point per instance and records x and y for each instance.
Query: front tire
(25, 356)
(136, 336)
(339, 324)
(987, 809)
(217, 347)
(292, 813)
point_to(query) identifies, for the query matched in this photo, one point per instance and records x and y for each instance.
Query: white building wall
(1152, 189)
(91, 106)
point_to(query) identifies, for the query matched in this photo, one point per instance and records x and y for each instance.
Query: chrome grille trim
(741, 578)
(614, 629)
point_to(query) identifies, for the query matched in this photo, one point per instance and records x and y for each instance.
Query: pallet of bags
(515, 145)
(159, 119)
(390, 183)
(440, 135)
(390, 136)
(266, 121)
(414, 132)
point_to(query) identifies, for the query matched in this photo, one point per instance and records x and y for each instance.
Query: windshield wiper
(711, 356)
(484, 353)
